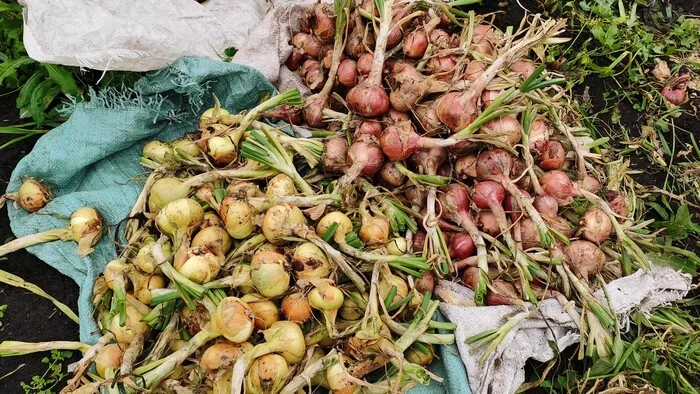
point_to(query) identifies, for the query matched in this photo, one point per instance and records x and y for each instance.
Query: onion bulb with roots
(295, 307)
(214, 238)
(585, 258)
(280, 185)
(197, 264)
(558, 185)
(326, 297)
(461, 246)
(309, 262)
(334, 159)
(165, 190)
(179, 215)
(595, 226)
(307, 44)
(347, 73)
(237, 216)
(280, 221)
(546, 205)
(33, 195)
(267, 374)
(233, 319)
(487, 223)
(390, 176)
(397, 246)
(552, 156)
(265, 311)
(268, 271)
(415, 43)
(134, 326)
(539, 134)
(108, 357)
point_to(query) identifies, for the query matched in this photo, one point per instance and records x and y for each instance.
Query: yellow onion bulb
(133, 327)
(237, 216)
(344, 224)
(397, 246)
(338, 378)
(419, 356)
(214, 238)
(279, 222)
(33, 195)
(280, 185)
(197, 264)
(114, 273)
(144, 259)
(286, 339)
(309, 261)
(267, 375)
(212, 115)
(265, 311)
(269, 273)
(326, 297)
(178, 215)
(156, 151)
(389, 280)
(108, 357)
(222, 355)
(374, 230)
(233, 319)
(222, 150)
(211, 219)
(86, 225)
(267, 247)
(296, 308)
(243, 190)
(152, 282)
(165, 190)
(186, 145)
(350, 310)
(243, 271)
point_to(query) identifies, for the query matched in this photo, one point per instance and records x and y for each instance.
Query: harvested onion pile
(266, 262)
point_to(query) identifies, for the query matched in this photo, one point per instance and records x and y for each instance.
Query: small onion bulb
(33, 195)
(265, 311)
(233, 319)
(237, 216)
(269, 273)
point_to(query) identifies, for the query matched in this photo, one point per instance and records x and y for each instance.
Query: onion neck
(375, 73)
(35, 239)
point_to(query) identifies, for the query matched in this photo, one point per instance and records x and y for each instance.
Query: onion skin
(418, 242)
(505, 128)
(529, 236)
(427, 117)
(507, 294)
(414, 44)
(539, 134)
(364, 64)
(265, 311)
(367, 100)
(395, 116)
(561, 225)
(523, 68)
(442, 65)
(237, 216)
(461, 246)
(322, 22)
(553, 155)
(595, 226)
(474, 70)
(334, 159)
(296, 308)
(488, 97)
(558, 185)
(440, 38)
(487, 193)
(347, 73)
(487, 223)
(310, 262)
(470, 277)
(495, 164)
(110, 356)
(617, 203)
(590, 184)
(676, 92)
(585, 258)
(279, 222)
(465, 167)
(511, 206)
(307, 44)
(33, 195)
(269, 274)
(288, 113)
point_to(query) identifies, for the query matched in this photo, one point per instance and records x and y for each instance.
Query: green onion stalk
(436, 249)
(16, 281)
(604, 315)
(265, 149)
(527, 119)
(289, 97)
(416, 179)
(186, 289)
(398, 216)
(242, 249)
(410, 265)
(85, 228)
(264, 203)
(82, 365)
(494, 337)
(239, 277)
